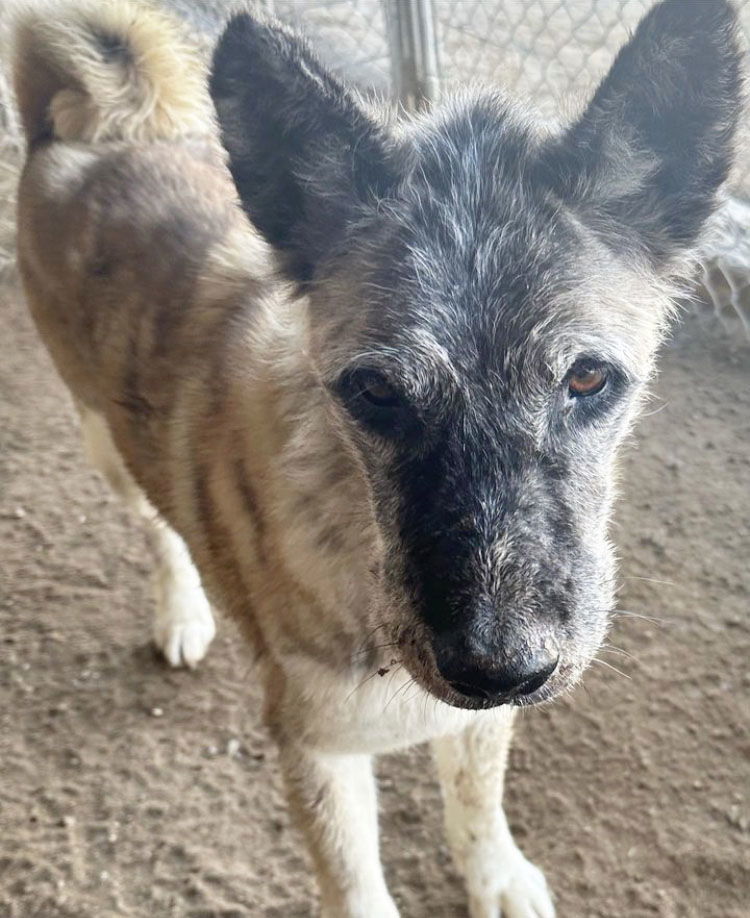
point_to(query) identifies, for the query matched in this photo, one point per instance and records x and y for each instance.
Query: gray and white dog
(395, 464)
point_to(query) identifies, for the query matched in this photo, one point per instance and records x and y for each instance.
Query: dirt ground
(131, 790)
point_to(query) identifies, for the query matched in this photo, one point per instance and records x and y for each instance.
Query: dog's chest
(380, 715)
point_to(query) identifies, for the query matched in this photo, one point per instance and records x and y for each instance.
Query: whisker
(613, 668)
(365, 650)
(661, 622)
(610, 648)
(398, 692)
(369, 636)
(650, 580)
(362, 683)
(396, 669)
(649, 414)
(414, 694)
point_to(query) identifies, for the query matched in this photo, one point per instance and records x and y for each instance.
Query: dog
(367, 377)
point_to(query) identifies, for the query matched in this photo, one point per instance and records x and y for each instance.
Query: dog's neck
(289, 491)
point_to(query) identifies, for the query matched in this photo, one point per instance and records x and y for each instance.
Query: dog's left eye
(586, 378)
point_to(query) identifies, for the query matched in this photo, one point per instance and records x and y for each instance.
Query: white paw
(523, 893)
(367, 903)
(184, 629)
(527, 895)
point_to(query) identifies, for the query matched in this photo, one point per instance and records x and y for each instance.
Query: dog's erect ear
(303, 151)
(649, 153)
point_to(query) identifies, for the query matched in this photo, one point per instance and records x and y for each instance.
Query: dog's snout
(477, 676)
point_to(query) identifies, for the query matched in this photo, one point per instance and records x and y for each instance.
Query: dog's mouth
(451, 694)
(418, 659)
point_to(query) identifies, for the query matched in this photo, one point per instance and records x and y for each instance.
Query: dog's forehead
(488, 271)
(483, 259)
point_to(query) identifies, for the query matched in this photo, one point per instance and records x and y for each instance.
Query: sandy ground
(132, 790)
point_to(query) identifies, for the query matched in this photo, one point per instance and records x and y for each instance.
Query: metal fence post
(415, 67)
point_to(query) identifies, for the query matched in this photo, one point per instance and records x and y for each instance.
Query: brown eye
(375, 390)
(586, 380)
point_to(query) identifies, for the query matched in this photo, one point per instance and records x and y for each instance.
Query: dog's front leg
(333, 799)
(499, 879)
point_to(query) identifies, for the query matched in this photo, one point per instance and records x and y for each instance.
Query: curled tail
(102, 70)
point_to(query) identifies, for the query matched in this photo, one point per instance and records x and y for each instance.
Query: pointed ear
(304, 152)
(647, 157)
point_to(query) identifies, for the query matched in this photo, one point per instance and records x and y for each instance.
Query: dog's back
(129, 233)
(142, 274)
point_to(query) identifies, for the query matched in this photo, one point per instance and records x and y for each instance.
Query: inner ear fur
(304, 151)
(646, 158)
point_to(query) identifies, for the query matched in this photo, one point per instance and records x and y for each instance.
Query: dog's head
(487, 294)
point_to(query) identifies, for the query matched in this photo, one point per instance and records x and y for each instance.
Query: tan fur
(153, 90)
(161, 309)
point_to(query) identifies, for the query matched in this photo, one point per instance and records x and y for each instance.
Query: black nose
(478, 677)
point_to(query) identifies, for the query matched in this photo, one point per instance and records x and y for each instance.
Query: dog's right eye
(375, 402)
(376, 390)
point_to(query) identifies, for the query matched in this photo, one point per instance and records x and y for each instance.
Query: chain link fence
(352, 36)
(551, 52)
(543, 49)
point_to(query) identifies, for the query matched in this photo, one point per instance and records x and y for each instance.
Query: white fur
(325, 758)
(499, 879)
(343, 836)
